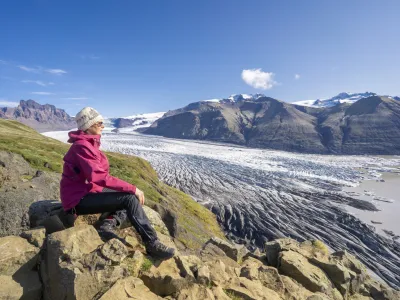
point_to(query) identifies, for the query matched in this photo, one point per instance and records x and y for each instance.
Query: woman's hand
(140, 195)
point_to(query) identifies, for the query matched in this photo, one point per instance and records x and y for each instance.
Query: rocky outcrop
(368, 126)
(40, 117)
(20, 187)
(76, 263)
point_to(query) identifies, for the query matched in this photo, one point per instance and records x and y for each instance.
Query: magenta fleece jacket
(86, 170)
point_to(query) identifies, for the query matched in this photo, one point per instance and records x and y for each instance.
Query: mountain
(338, 99)
(40, 117)
(370, 125)
(132, 123)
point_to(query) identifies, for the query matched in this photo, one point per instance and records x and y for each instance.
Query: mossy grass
(146, 265)
(196, 224)
(320, 246)
(232, 295)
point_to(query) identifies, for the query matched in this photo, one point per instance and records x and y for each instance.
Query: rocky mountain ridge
(369, 126)
(40, 117)
(75, 263)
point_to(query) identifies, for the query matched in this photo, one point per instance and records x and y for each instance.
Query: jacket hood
(79, 135)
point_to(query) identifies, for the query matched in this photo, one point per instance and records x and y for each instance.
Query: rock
(16, 196)
(238, 292)
(235, 252)
(379, 291)
(25, 287)
(134, 263)
(72, 243)
(129, 288)
(155, 220)
(294, 290)
(114, 250)
(218, 275)
(318, 296)
(219, 293)
(132, 241)
(258, 290)
(195, 292)
(165, 279)
(360, 297)
(188, 265)
(17, 254)
(211, 252)
(349, 261)
(297, 266)
(35, 236)
(169, 218)
(337, 273)
(72, 268)
(250, 268)
(271, 279)
(203, 275)
(273, 248)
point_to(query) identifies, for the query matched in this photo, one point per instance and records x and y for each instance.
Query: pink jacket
(86, 170)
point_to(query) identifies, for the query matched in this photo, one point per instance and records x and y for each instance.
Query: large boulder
(129, 288)
(16, 254)
(26, 287)
(20, 186)
(235, 252)
(164, 278)
(298, 267)
(73, 266)
(195, 292)
(19, 278)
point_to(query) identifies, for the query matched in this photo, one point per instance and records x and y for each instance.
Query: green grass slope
(196, 224)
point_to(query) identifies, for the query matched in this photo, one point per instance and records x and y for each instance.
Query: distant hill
(370, 125)
(40, 117)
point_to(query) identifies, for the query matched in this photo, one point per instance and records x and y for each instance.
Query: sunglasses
(99, 124)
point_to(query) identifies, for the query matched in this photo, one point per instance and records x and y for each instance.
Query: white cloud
(27, 69)
(5, 103)
(3, 62)
(56, 71)
(38, 82)
(42, 93)
(259, 79)
(76, 98)
(296, 76)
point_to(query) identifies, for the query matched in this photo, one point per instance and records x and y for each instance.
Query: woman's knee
(131, 200)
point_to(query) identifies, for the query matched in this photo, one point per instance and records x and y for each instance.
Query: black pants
(95, 203)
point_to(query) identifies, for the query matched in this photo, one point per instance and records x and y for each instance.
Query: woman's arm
(95, 173)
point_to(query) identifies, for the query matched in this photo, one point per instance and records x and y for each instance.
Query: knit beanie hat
(87, 117)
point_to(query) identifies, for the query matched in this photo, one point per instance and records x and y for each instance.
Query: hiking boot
(157, 249)
(107, 229)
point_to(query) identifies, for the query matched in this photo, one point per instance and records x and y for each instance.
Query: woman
(86, 174)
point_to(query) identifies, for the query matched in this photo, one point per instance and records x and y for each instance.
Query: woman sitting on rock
(86, 174)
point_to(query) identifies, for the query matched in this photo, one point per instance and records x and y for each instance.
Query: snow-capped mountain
(236, 98)
(340, 98)
(132, 123)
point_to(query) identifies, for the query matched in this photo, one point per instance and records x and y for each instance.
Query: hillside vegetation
(195, 224)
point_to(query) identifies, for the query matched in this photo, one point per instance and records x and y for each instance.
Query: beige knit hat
(87, 117)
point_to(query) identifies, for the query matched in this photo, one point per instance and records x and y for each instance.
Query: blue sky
(126, 57)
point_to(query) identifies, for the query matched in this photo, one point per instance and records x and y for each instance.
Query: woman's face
(95, 129)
